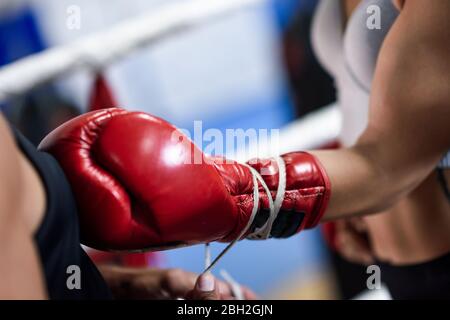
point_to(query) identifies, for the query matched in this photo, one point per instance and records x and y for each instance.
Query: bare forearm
(355, 184)
(363, 180)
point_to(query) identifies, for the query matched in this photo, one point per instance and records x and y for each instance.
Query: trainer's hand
(159, 284)
(352, 241)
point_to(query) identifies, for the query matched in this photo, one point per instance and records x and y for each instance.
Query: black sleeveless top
(58, 237)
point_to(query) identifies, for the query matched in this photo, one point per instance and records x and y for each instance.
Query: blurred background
(251, 69)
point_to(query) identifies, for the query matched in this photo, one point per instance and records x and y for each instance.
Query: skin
(19, 214)
(392, 164)
(158, 284)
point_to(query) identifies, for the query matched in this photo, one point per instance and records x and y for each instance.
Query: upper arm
(410, 100)
(10, 173)
(21, 276)
(22, 194)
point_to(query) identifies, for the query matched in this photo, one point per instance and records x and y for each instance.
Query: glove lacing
(263, 232)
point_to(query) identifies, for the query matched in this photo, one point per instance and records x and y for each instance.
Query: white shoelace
(274, 208)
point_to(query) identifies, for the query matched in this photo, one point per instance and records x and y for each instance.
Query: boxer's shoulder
(12, 177)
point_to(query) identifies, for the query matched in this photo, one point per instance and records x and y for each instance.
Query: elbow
(391, 180)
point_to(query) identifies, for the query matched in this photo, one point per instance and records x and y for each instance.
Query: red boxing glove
(141, 184)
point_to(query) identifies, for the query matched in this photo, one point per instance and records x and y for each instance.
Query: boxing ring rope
(102, 48)
(317, 129)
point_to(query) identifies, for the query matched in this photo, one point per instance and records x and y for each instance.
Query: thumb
(206, 288)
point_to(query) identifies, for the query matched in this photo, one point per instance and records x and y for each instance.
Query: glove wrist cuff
(322, 200)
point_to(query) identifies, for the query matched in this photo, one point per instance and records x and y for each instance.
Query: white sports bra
(350, 56)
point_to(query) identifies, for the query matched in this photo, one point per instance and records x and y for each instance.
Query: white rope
(445, 162)
(207, 255)
(100, 49)
(314, 130)
(234, 285)
(274, 208)
(274, 205)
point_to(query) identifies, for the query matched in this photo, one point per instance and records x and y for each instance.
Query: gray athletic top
(350, 56)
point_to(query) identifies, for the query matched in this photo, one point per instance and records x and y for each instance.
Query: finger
(179, 282)
(224, 288)
(206, 288)
(248, 294)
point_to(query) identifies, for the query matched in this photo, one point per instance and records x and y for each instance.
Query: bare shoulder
(22, 194)
(10, 172)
